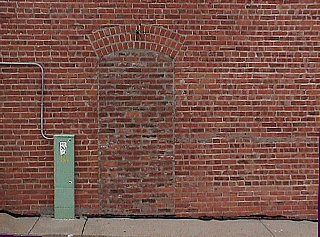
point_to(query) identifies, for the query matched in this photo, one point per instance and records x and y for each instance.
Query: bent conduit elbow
(42, 91)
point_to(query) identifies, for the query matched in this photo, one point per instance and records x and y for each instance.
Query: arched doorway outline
(108, 41)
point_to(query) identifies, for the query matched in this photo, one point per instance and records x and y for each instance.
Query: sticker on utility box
(63, 152)
(63, 148)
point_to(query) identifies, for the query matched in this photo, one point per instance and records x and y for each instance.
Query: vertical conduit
(42, 91)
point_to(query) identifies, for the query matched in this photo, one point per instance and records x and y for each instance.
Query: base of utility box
(64, 207)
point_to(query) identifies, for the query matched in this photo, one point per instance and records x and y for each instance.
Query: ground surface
(114, 227)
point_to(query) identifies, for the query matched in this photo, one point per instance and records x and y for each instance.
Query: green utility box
(64, 177)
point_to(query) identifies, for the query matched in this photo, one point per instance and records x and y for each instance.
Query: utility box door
(64, 177)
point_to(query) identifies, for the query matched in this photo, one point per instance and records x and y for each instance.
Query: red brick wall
(136, 108)
(246, 104)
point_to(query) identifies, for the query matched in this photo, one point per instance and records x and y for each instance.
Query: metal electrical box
(64, 207)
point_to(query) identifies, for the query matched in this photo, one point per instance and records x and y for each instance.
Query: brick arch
(153, 38)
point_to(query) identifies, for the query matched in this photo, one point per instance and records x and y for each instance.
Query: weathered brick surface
(136, 131)
(243, 118)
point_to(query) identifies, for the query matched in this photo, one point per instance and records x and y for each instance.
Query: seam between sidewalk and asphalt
(267, 228)
(33, 225)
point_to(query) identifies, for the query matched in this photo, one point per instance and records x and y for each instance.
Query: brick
(210, 111)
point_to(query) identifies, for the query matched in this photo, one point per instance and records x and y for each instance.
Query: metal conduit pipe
(42, 91)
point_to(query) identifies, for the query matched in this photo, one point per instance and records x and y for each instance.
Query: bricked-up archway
(136, 133)
(136, 118)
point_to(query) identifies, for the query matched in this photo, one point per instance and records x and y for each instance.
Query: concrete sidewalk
(116, 227)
